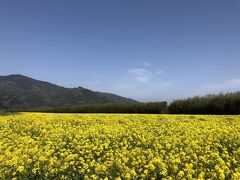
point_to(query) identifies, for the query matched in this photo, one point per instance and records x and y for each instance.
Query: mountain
(21, 93)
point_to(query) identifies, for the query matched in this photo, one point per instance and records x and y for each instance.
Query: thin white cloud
(146, 64)
(141, 75)
(143, 84)
(151, 91)
(159, 72)
(96, 76)
(140, 83)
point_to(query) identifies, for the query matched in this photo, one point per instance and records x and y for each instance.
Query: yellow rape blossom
(119, 146)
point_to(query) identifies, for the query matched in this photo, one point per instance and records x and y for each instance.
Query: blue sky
(146, 50)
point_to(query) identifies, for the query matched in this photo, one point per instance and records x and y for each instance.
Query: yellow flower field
(113, 146)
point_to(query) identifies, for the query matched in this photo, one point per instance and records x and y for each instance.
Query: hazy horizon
(161, 50)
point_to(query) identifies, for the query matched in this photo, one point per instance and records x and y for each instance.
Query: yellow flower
(20, 169)
(128, 176)
(180, 174)
(127, 146)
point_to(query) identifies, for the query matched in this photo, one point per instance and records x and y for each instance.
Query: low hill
(21, 93)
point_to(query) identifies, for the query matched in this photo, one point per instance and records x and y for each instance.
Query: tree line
(228, 103)
(144, 108)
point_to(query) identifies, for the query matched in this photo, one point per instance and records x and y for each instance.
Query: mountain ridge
(19, 92)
